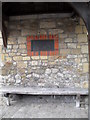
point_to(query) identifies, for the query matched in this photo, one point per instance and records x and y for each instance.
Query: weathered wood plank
(44, 91)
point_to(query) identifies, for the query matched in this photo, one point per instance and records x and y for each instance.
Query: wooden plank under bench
(45, 91)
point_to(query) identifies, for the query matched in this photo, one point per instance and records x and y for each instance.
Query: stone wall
(68, 69)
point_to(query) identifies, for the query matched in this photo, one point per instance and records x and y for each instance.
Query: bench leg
(7, 95)
(78, 101)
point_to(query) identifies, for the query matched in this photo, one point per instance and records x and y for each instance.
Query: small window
(42, 45)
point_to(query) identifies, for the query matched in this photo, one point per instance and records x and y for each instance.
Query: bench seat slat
(44, 91)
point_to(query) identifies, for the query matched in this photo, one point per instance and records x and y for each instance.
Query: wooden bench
(44, 91)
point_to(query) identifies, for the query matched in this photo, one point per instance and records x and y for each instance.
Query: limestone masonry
(67, 69)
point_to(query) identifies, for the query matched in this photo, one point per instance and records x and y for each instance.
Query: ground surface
(43, 107)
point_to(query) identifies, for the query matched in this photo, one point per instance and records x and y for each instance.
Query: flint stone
(48, 71)
(60, 75)
(54, 70)
(28, 76)
(18, 78)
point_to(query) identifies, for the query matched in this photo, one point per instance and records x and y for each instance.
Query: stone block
(33, 63)
(0, 49)
(85, 84)
(17, 58)
(71, 45)
(85, 29)
(1, 41)
(85, 67)
(65, 51)
(77, 60)
(84, 49)
(76, 51)
(82, 38)
(2, 57)
(48, 71)
(48, 24)
(82, 22)
(8, 59)
(9, 46)
(68, 40)
(22, 46)
(55, 31)
(12, 40)
(22, 40)
(43, 57)
(26, 58)
(26, 32)
(42, 32)
(54, 70)
(78, 29)
(84, 60)
(15, 46)
(34, 57)
(14, 33)
(0, 34)
(21, 64)
(63, 36)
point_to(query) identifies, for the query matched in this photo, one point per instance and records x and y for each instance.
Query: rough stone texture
(82, 38)
(67, 69)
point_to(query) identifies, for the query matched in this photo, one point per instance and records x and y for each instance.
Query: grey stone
(48, 71)
(18, 78)
(35, 75)
(54, 70)
(28, 76)
(60, 75)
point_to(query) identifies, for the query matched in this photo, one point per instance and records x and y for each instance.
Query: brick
(17, 58)
(85, 67)
(71, 45)
(78, 29)
(84, 49)
(26, 58)
(22, 46)
(47, 24)
(82, 38)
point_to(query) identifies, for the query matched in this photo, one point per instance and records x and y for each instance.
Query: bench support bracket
(78, 101)
(7, 95)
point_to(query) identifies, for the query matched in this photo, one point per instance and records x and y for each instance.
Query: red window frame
(43, 53)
